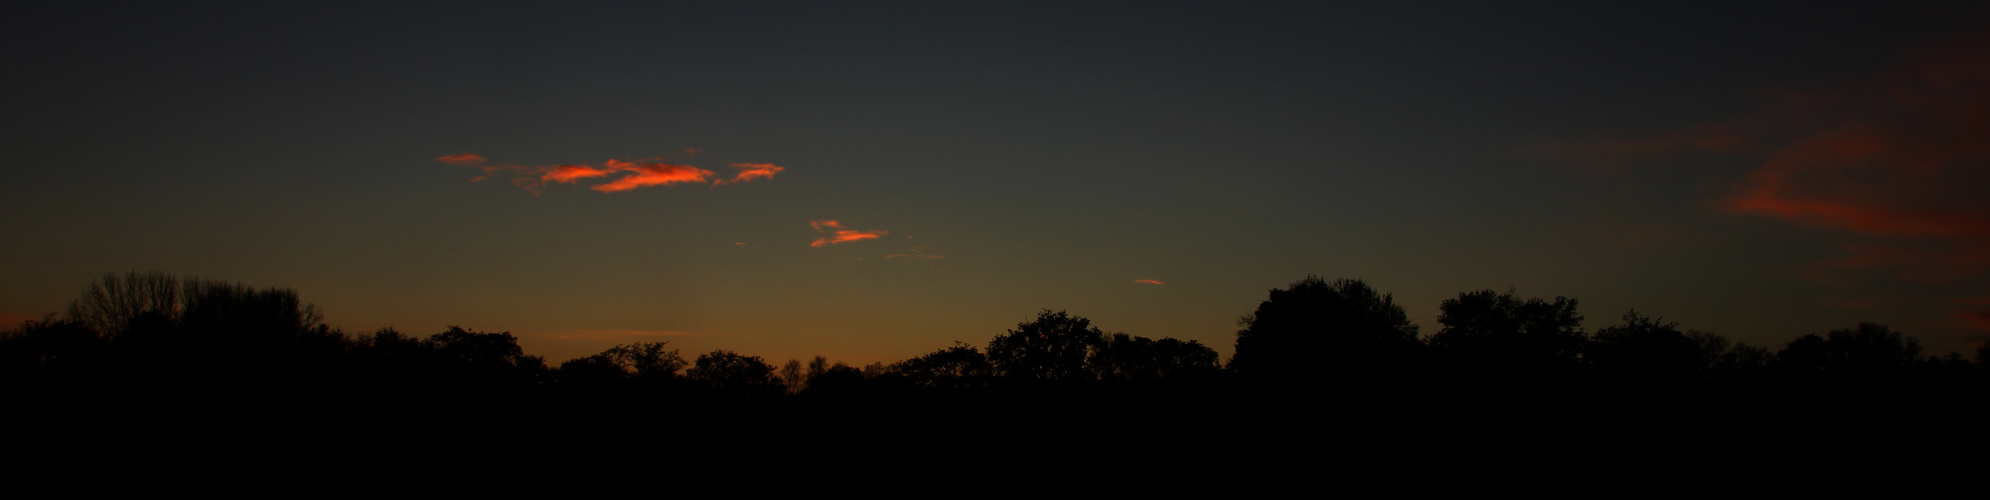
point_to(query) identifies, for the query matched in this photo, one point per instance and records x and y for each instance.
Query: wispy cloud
(751, 171)
(819, 224)
(465, 159)
(1150, 282)
(846, 236)
(651, 174)
(622, 175)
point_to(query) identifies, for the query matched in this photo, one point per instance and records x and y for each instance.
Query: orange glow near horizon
(1150, 282)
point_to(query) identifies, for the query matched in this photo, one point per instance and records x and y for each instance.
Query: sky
(874, 181)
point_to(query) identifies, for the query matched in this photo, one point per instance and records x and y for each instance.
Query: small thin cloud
(846, 236)
(751, 171)
(621, 175)
(819, 224)
(1149, 282)
(739, 243)
(465, 159)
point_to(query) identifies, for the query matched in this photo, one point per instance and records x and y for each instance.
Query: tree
(727, 371)
(1054, 347)
(110, 304)
(1491, 330)
(1646, 348)
(1315, 328)
(1868, 352)
(1132, 358)
(958, 367)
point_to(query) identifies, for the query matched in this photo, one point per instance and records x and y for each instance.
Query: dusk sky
(875, 181)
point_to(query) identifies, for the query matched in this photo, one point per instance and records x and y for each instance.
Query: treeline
(151, 335)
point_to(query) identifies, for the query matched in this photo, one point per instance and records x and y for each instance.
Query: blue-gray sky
(1761, 171)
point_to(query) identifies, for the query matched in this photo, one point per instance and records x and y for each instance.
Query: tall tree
(1054, 347)
(1501, 332)
(1316, 328)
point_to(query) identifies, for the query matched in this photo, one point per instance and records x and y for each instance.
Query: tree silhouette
(1645, 349)
(1487, 330)
(1870, 351)
(1130, 358)
(730, 372)
(957, 367)
(1317, 328)
(1054, 347)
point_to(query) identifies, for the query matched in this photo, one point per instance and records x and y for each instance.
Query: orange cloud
(465, 159)
(846, 236)
(567, 174)
(651, 174)
(625, 174)
(1150, 282)
(751, 171)
(819, 224)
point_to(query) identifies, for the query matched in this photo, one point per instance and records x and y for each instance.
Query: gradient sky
(652, 173)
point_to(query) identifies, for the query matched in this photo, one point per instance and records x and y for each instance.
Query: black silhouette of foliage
(109, 304)
(1868, 351)
(1316, 327)
(215, 308)
(958, 367)
(1055, 347)
(731, 372)
(1130, 358)
(1646, 348)
(1498, 330)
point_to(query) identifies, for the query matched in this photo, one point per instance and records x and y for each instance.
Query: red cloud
(651, 174)
(627, 174)
(465, 159)
(1895, 162)
(818, 225)
(570, 173)
(848, 236)
(1150, 282)
(751, 171)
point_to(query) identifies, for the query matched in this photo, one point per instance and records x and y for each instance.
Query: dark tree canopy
(1867, 351)
(1054, 347)
(1132, 358)
(729, 371)
(1316, 327)
(1646, 348)
(1489, 328)
(958, 367)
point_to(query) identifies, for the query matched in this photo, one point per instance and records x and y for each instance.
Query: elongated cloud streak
(819, 224)
(465, 159)
(651, 174)
(626, 174)
(1150, 282)
(751, 171)
(846, 236)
